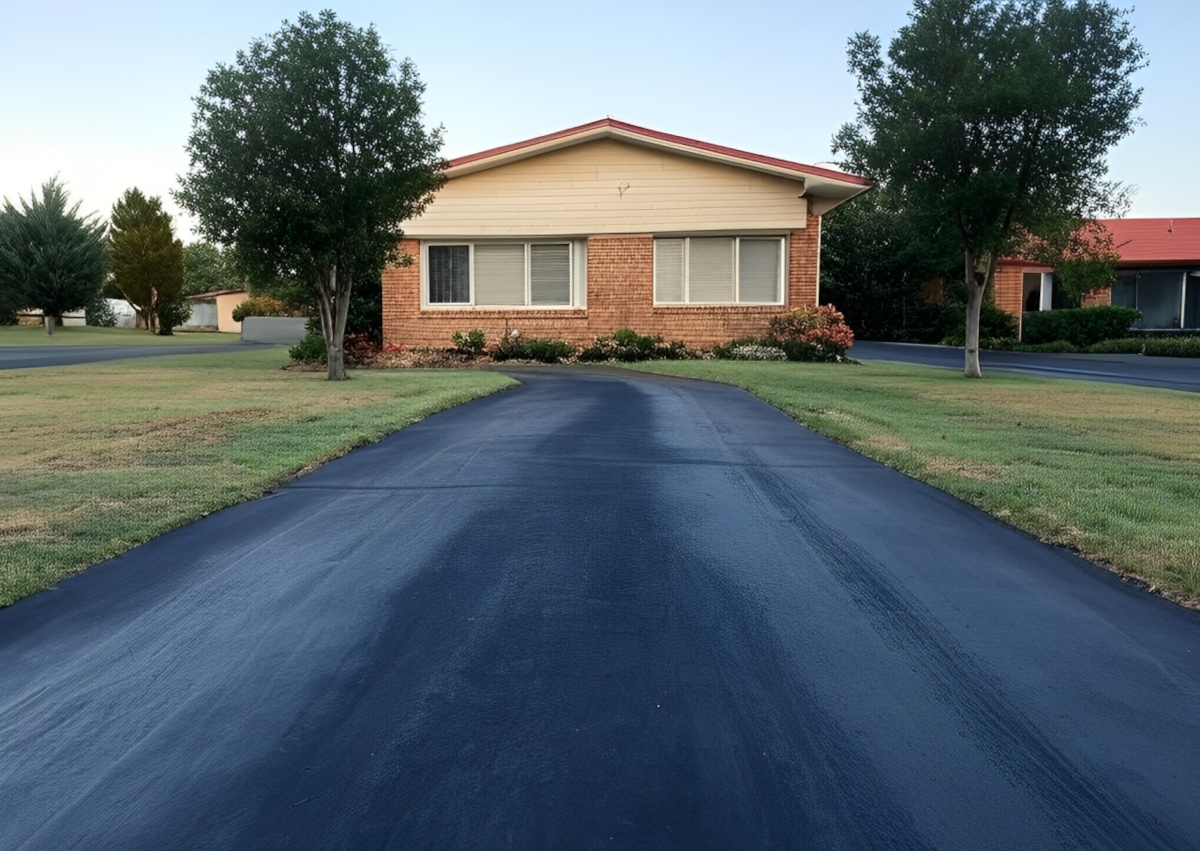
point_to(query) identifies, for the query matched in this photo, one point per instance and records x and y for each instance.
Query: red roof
(670, 139)
(1155, 240)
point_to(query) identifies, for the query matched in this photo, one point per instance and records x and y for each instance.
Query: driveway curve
(600, 610)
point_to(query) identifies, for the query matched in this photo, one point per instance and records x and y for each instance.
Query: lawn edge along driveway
(97, 459)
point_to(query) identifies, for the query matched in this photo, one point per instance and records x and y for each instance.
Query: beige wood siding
(608, 186)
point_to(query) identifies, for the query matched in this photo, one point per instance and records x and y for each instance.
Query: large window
(718, 270)
(1168, 299)
(501, 274)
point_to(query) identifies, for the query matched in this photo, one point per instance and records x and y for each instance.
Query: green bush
(627, 345)
(262, 305)
(99, 313)
(311, 349)
(1081, 326)
(471, 343)
(994, 324)
(1167, 347)
(541, 350)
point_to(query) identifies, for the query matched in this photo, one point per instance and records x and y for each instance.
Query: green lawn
(35, 335)
(97, 459)
(1110, 471)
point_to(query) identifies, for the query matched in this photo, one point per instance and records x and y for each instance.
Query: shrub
(756, 351)
(1081, 326)
(812, 333)
(262, 305)
(359, 348)
(627, 345)
(472, 343)
(311, 349)
(994, 324)
(99, 313)
(1169, 347)
(541, 350)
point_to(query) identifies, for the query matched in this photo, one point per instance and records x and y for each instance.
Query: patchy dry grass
(1109, 471)
(97, 459)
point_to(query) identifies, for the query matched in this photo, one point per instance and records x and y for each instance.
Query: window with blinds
(500, 274)
(718, 270)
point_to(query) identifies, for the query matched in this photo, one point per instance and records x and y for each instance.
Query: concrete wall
(287, 330)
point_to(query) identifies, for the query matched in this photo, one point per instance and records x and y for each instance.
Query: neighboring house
(1158, 273)
(608, 225)
(215, 310)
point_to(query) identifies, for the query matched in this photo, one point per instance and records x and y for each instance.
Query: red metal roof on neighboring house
(671, 139)
(1155, 240)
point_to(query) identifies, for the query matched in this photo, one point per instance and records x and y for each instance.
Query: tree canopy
(992, 119)
(206, 269)
(51, 258)
(147, 261)
(305, 155)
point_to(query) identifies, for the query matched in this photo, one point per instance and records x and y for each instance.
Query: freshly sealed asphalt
(600, 610)
(24, 357)
(1170, 373)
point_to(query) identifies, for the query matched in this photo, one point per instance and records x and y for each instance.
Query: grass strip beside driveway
(100, 458)
(1107, 470)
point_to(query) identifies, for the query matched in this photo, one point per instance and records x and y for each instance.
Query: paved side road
(24, 357)
(1171, 373)
(599, 611)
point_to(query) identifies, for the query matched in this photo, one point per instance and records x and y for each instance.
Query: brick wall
(1008, 289)
(620, 294)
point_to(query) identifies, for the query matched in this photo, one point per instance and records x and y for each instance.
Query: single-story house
(607, 225)
(215, 310)
(1158, 273)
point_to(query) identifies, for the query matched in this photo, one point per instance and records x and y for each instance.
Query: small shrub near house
(471, 343)
(997, 328)
(1081, 326)
(540, 350)
(262, 305)
(357, 348)
(627, 346)
(812, 333)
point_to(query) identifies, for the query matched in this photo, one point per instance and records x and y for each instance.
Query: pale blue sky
(100, 93)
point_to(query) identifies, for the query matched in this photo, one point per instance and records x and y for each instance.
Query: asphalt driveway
(600, 610)
(24, 357)
(1171, 373)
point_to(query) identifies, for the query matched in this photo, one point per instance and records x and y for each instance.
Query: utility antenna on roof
(1170, 226)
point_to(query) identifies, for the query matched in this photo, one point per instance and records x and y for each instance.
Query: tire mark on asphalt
(1084, 814)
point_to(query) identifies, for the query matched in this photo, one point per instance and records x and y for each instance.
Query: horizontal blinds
(449, 274)
(550, 274)
(668, 270)
(710, 269)
(499, 274)
(759, 263)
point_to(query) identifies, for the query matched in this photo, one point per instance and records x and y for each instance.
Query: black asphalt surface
(1171, 373)
(24, 357)
(599, 611)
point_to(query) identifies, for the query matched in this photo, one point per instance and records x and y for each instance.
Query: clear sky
(100, 93)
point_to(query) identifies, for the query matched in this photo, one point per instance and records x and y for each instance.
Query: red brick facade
(620, 294)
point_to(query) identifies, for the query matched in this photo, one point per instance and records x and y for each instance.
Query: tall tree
(147, 261)
(992, 119)
(51, 258)
(206, 269)
(306, 153)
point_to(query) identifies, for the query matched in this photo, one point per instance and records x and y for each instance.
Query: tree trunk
(48, 321)
(333, 306)
(971, 326)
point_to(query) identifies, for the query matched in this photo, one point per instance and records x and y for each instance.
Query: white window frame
(737, 272)
(577, 266)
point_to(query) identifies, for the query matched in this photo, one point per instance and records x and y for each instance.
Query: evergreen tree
(51, 258)
(147, 261)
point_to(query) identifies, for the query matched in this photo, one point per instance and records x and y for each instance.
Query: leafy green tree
(50, 258)
(305, 155)
(147, 261)
(992, 120)
(876, 266)
(206, 269)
